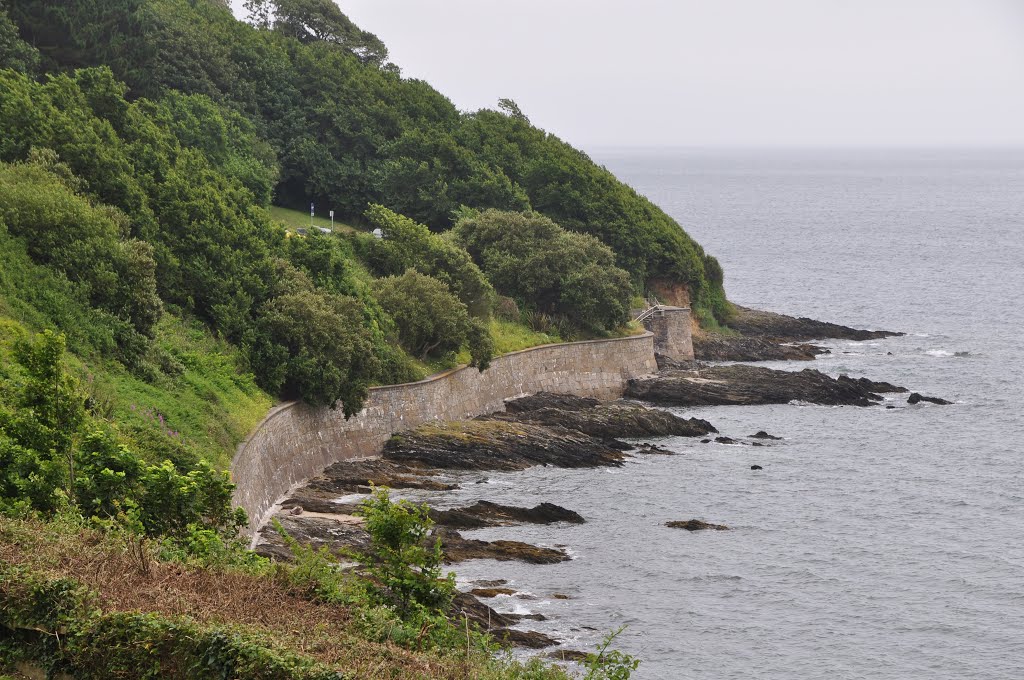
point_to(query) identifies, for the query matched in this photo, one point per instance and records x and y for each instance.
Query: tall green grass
(193, 393)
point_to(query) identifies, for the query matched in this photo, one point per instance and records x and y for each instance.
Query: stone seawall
(296, 441)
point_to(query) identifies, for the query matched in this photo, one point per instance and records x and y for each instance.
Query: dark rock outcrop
(872, 385)
(600, 419)
(541, 400)
(761, 434)
(339, 534)
(696, 525)
(712, 347)
(488, 514)
(757, 323)
(466, 604)
(746, 385)
(916, 398)
(499, 445)
(529, 639)
(459, 549)
(669, 364)
(356, 476)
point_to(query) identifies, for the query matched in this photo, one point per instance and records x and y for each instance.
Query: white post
(332, 221)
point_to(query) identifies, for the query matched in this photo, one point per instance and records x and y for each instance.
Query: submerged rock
(696, 525)
(499, 445)
(488, 514)
(916, 398)
(742, 384)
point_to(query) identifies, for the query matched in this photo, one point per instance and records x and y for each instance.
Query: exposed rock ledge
(487, 514)
(599, 419)
(748, 385)
(768, 336)
(757, 323)
(712, 347)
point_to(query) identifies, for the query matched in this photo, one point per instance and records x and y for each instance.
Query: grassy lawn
(298, 219)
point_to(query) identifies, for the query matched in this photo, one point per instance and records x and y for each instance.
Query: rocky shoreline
(569, 432)
(766, 336)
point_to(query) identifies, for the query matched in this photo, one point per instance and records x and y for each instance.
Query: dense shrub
(86, 242)
(314, 344)
(430, 320)
(405, 244)
(48, 461)
(548, 269)
(406, 564)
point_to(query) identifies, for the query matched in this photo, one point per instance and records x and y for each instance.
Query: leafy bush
(83, 241)
(47, 459)
(610, 664)
(38, 436)
(406, 569)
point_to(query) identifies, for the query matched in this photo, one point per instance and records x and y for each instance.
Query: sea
(874, 543)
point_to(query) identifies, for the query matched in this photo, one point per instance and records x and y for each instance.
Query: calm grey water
(876, 543)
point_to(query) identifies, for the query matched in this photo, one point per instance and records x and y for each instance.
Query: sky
(724, 73)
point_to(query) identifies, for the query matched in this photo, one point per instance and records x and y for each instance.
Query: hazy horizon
(733, 74)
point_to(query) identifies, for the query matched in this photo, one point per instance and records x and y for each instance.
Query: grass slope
(297, 219)
(194, 393)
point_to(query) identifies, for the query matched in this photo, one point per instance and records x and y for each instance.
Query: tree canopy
(548, 269)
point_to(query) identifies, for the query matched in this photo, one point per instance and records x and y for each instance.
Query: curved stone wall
(296, 441)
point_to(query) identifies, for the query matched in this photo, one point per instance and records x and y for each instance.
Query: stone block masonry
(296, 442)
(672, 331)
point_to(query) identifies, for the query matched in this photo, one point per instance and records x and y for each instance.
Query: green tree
(430, 320)
(15, 53)
(406, 244)
(314, 345)
(548, 269)
(404, 562)
(309, 20)
(84, 241)
(42, 429)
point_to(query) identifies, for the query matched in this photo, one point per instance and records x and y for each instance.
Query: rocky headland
(767, 336)
(741, 384)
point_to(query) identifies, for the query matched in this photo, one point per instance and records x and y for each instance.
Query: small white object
(377, 233)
